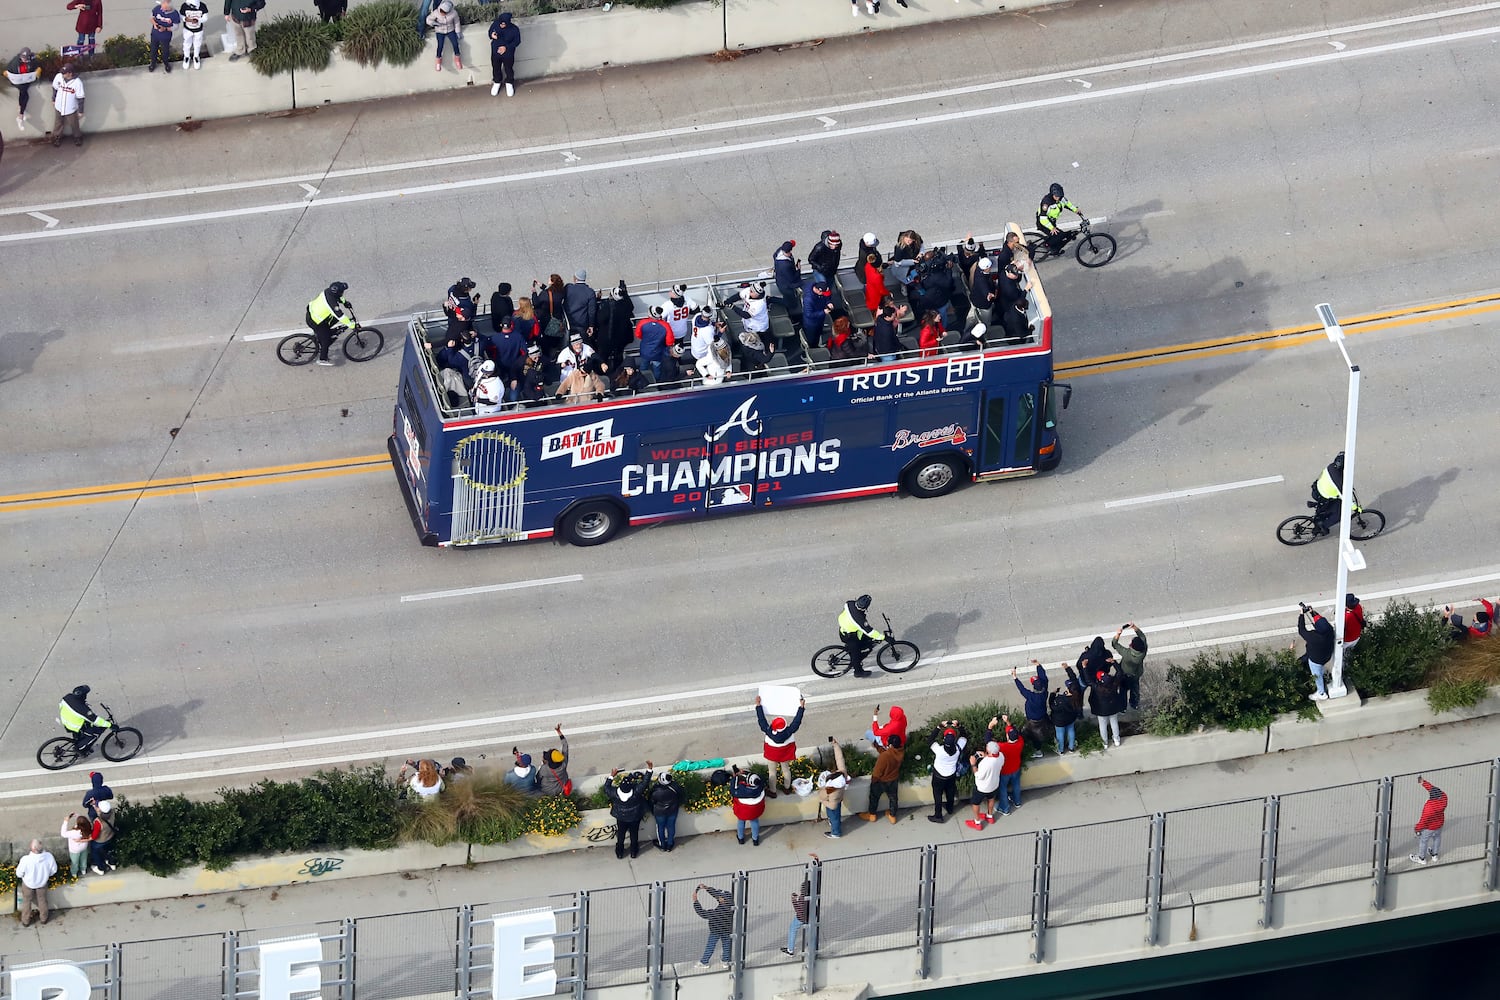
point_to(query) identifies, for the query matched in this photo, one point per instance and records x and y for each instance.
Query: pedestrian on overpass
(1133, 661)
(1429, 828)
(505, 38)
(1034, 694)
(1317, 633)
(627, 804)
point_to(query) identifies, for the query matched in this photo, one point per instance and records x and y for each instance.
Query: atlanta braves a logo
(743, 417)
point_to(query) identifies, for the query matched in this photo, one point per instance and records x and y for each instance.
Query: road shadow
(165, 723)
(1409, 504)
(19, 350)
(937, 634)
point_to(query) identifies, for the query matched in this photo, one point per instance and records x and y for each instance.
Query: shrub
(161, 837)
(291, 42)
(1449, 693)
(974, 720)
(1397, 649)
(551, 816)
(127, 50)
(1242, 690)
(382, 31)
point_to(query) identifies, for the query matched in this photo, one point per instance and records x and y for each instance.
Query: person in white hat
(489, 391)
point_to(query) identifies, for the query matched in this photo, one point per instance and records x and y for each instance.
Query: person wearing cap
(448, 24)
(678, 310)
(857, 634)
(869, 244)
(67, 101)
(1106, 702)
(574, 355)
(614, 323)
(461, 292)
(779, 745)
(666, 801)
(530, 387)
(657, 340)
(787, 270)
(986, 767)
(1317, 632)
(627, 804)
(982, 289)
(1011, 749)
(22, 71)
(554, 771)
(756, 343)
(580, 304)
(947, 746)
(78, 718)
(505, 38)
(508, 350)
(242, 15)
(523, 775)
(1484, 621)
(824, 260)
(102, 842)
(1034, 693)
(1133, 660)
(97, 792)
(747, 802)
(457, 768)
(489, 391)
(817, 307)
(705, 351)
(1063, 709)
(1429, 825)
(1054, 204)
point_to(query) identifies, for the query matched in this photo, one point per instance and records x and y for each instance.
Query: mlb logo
(964, 370)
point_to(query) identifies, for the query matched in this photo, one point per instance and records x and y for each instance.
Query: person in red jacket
(930, 337)
(1354, 622)
(1429, 828)
(90, 21)
(1010, 768)
(780, 744)
(878, 734)
(1483, 622)
(874, 279)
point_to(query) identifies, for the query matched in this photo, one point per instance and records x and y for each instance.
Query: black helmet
(1338, 460)
(1350, 601)
(338, 288)
(1055, 190)
(863, 602)
(81, 690)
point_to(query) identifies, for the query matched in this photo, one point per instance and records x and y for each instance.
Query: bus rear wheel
(935, 477)
(591, 523)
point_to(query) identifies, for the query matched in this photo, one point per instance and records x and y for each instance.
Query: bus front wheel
(934, 478)
(591, 523)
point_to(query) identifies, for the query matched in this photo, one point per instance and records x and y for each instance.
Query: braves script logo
(950, 433)
(743, 416)
(593, 443)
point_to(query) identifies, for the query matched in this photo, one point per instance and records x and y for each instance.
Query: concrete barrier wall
(551, 44)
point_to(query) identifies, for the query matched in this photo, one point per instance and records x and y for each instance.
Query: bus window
(859, 428)
(1025, 430)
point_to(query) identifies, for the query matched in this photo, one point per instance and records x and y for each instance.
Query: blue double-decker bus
(829, 431)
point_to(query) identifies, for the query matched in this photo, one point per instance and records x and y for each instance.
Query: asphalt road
(1248, 173)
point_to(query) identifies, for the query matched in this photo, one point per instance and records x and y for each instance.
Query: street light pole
(1349, 559)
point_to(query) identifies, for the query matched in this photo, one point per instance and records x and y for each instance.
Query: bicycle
(117, 743)
(1364, 523)
(1094, 249)
(360, 344)
(896, 656)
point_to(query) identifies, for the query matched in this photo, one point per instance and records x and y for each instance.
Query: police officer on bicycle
(77, 718)
(856, 634)
(329, 311)
(1326, 494)
(1054, 203)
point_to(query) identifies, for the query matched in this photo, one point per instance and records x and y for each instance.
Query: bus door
(1009, 442)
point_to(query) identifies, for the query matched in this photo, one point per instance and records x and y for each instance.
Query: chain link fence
(685, 933)
(1213, 852)
(618, 936)
(405, 954)
(1099, 871)
(984, 887)
(869, 902)
(768, 912)
(174, 968)
(1468, 788)
(1326, 835)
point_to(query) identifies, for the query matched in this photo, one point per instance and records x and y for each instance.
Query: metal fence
(897, 900)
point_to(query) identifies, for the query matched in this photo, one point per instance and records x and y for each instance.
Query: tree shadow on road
(1408, 505)
(165, 723)
(937, 634)
(19, 350)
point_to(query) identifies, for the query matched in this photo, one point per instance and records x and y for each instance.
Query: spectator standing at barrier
(78, 830)
(747, 800)
(930, 336)
(666, 801)
(505, 38)
(67, 101)
(1429, 828)
(448, 24)
(1011, 748)
(1317, 634)
(22, 71)
(580, 304)
(523, 775)
(331, 10)
(986, 767)
(801, 912)
(33, 872)
(553, 775)
(90, 22)
(831, 786)
(885, 778)
(1483, 621)
(102, 840)
(97, 792)
(1107, 701)
(194, 15)
(657, 340)
(242, 15)
(896, 726)
(1034, 693)
(720, 920)
(817, 309)
(824, 259)
(627, 804)
(1063, 711)
(614, 324)
(1354, 622)
(164, 19)
(1132, 662)
(780, 745)
(948, 743)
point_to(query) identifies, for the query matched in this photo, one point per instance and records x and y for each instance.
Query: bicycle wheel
(1296, 530)
(1096, 250)
(121, 743)
(363, 344)
(1036, 244)
(831, 661)
(297, 349)
(898, 656)
(57, 753)
(1366, 524)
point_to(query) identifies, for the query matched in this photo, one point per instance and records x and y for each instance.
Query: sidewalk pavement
(1427, 748)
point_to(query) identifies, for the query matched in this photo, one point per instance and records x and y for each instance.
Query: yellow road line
(1267, 340)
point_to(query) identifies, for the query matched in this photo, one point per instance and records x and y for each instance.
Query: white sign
(52, 981)
(593, 443)
(523, 940)
(290, 969)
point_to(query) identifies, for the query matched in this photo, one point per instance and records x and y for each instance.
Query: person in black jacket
(580, 304)
(824, 259)
(1063, 713)
(720, 921)
(1318, 634)
(1107, 701)
(627, 804)
(614, 324)
(666, 799)
(502, 306)
(885, 341)
(1091, 660)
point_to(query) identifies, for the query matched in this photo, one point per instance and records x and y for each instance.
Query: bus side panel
(415, 444)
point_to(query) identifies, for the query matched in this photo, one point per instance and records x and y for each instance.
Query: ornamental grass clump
(384, 31)
(291, 42)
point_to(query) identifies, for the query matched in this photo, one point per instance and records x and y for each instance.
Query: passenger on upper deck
(788, 272)
(868, 244)
(885, 342)
(574, 354)
(461, 290)
(656, 337)
(679, 311)
(824, 260)
(614, 324)
(530, 387)
(874, 279)
(705, 354)
(502, 306)
(547, 302)
(816, 308)
(580, 304)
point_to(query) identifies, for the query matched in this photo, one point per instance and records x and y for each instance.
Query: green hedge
(1397, 650)
(1242, 690)
(294, 41)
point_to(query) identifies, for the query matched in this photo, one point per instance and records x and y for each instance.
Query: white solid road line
(447, 187)
(371, 747)
(438, 595)
(744, 123)
(278, 334)
(1195, 491)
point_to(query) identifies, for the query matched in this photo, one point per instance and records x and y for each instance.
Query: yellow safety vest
(1326, 487)
(848, 626)
(71, 720)
(320, 311)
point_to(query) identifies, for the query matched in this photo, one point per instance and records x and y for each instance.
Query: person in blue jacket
(817, 306)
(505, 38)
(1038, 723)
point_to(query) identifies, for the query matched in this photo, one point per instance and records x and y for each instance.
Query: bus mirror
(1065, 391)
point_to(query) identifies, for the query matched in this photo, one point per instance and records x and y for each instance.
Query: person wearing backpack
(102, 844)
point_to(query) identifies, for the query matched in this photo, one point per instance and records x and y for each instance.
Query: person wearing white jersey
(194, 14)
(705, 354)
(489, 391)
